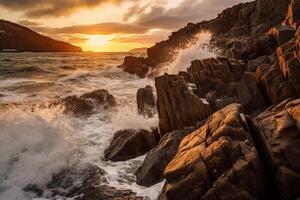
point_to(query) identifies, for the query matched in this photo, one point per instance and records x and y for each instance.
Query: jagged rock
(214, 74)
(217, 161)
(293, 15)
(127, 144)
(151, 171)
(249, 94)
(253, 64)
(278, 141)
(178, 107)
(281, 80)
(86, 103)
(282, 34)
(251, 47)
(134, 65)
(146, 101)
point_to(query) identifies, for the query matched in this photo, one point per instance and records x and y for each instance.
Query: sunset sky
(110, 25)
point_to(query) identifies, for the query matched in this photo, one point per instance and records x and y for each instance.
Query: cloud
(77, 39)
(28, 23)
(40, 8)
(176, 17)
(150, 38)
(102, 29)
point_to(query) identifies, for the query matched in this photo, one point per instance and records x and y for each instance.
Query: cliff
(19, 38)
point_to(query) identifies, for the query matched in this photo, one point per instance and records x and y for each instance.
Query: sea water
(37, 141)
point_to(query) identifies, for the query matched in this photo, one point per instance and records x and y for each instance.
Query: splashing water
(37, 141)
(197, 50)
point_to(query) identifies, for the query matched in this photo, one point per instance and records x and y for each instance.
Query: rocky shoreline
(228, 126)
(242, 108)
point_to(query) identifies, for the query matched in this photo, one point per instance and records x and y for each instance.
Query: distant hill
(20, 38)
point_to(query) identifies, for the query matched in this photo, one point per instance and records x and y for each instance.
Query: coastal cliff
(14, 37)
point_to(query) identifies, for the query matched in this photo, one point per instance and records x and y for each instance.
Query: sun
(97, 40)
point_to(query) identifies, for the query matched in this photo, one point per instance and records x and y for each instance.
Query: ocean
(38, 141)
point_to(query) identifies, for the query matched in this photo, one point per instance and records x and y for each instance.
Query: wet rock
(249, 94)
(151, 171)
(178, 107)
(87, 184)
(87, 103)
(282, 34)
(134, 65)
(127, 144)
(217, 161)
(146, 101)
(278, 140)
(105, 192)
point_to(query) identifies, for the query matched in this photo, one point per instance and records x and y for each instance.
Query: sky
(110, 25)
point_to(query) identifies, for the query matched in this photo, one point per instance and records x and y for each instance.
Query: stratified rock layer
(278, 139)
(146, 101)
(178, 106)
(217, 161)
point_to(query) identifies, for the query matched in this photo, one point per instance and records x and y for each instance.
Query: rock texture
(19, 38)
(178, 106)
(87, 103)
(127, 144)
(135, 66)
(146, 101)
(278, 140)
(92, 185)
(151, 171)
(217, 161)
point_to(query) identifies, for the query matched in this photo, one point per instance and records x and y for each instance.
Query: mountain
(20, 38)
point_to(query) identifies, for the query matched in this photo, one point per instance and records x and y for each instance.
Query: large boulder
(278, 140)
(177, 105)
(146, 101)
(127, 144)
(217, 161)
(87, 103)
(152, 169)
(136, 66)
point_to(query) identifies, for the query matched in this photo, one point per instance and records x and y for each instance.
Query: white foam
(197, 50)
(31, 150)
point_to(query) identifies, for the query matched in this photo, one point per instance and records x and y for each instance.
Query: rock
(146, 101)
(105, 192)
(86, 103)
(273, 83)
(134, 65)
(253, 64)
(178, 107)
(293, 15)
(217, 161)
(127, 144)
(151, 171)
(278, 141)
(91, 185)
(249, 93)
(282, 34)
(281, 80)
(214, 74)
